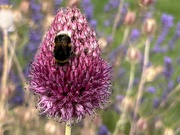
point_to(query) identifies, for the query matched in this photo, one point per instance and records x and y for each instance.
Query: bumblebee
(62, 49)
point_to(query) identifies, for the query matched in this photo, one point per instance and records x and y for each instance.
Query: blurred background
(146, 81)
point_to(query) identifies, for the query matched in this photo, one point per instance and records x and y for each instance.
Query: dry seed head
(6, 18)
(149, 26)
(133, 54)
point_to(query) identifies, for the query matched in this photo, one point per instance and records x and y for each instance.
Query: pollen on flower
(70, 92)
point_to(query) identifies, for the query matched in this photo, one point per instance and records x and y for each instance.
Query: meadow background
(158, 111)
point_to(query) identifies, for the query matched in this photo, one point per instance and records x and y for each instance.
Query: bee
(62, 49)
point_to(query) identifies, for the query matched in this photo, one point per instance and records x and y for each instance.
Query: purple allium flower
(168, 68)
(70, 92)
(103, 130)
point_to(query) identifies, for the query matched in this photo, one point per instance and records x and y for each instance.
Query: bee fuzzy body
(62, 49)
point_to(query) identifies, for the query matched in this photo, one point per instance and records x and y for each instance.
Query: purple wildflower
(135, 33)
(167, 20)
(151, 89)
(170, 85)
(57, 4)
(103, 130)
(178, 79)
(70, 92)
(112, 4)
(121, 72)
(112, 7)
(35, 34)
(119, 98)
(175, 37)
(167, 23)
(168, 68)
(4, 2)
(156, 102)
(88, 9)
(17, 98)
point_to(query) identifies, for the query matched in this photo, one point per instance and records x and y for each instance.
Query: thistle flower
(70, 92)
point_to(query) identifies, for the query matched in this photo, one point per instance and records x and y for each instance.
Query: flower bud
(102, 42)
(6, 17)
(149, 26)
(133, 54)
(152, 72)
(127, 103)
(168, 131)
(146, 2)
(158, 124)
(18, 18)
(72, 3)
(130, 18)
(50, 128)
(24, 6)
(142, 124)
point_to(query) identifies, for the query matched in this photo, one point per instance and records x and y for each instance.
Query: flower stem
(5, 65)
(118, 17)
(68, 129)
(126, 34)
(122, 119)
(141, 86)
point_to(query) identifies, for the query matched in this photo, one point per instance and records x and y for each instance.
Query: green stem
(131, 79)
(141, 86)
(5, 65)
(126, 34)
(68, 129)
(118, 17)
(120, 124)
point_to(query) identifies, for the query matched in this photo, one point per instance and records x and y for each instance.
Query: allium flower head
(70, 92)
